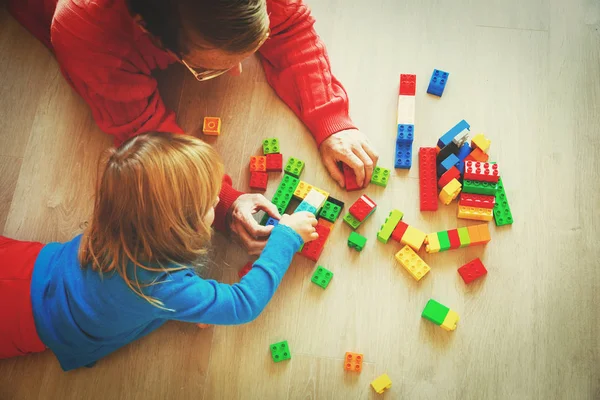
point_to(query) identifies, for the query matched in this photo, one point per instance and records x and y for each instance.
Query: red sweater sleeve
(227, 196)
(298, 68)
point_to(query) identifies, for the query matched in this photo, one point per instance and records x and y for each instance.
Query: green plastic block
(285, 191)
(280, 351)
(356, 241)
(502, 214)
(435, 312)
(350, 220)
(322, 277)
(380, 176)
(330, 211)
(389, 225)
(479, 187)
(294, 167)
(444, 240)
(271, 146)
(463, 235)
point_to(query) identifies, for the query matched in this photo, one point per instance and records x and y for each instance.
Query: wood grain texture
(527, 74)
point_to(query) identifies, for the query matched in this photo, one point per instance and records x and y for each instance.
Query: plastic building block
(330, 211)
(380, 176)
(478, 171)
(411, 262)
(477, 200)
(448, 163)
(399, 231)
(484, 233)
(479, 141)
(302, 190)
(432, 243)
(479, 187)
(353, 361)
(258, 180)
(406, 110)
(284, 192)
(438, 81)
(274, 162)
(463, 236)
(315, 199)
(472, 270)
(389, 225)
(413, 237)
(463, 153)
(335, 201)
(350, 179)
(258, 163)
(454, 239)
(450, 191)
(452, 133)
(280, 351)
(242, 272)
(325, 223)
(322, 277)
(444, 240)
(356, 241)
(474, 235)
(211, 126)
(362, 208)
(475, 213)
(406, 133)
(450, 321)
(272, 221)
(403, 155)
(304, 206)
(477, 155)
(270, 146)
(451, 148)
(502, 214)
(452, 173)
(350, 220)
(294, 167)
(408, 83)
(381, 383)
(460, 139)
(435, 312)
(427, 178)
(312, 250)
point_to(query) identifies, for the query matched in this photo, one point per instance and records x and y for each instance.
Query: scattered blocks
(274, 162)
(381, 383)
(411, 262)
(353, 361)
(413, 237)
(294, 167)
(389, 225)
(452, 133)
(242, 272)
(258, 163)
(350, 220)
(478, 171)
(211, 126)
(270, 146)
(280, 351)
(399, 231)
(477, 200)
(408, 83)
(356, 241)
(258, 180)
(472, 270)
(350, 179)
(438, 81)
(380, 176)
(362, 208)
(440, 315)
(322, 277)
(475, 213)
(450, 191)
(502, 214)
(330, 211)
(312, 250)
(479, 141)
(479, 187)
(427, 178)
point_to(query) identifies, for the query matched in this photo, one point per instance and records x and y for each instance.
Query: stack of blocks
(271, 161)
(406, 121)
(440, 315)
(360, 211)
(478, 174)
(457, 238)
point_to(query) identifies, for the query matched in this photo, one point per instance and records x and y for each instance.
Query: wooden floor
(526, 73)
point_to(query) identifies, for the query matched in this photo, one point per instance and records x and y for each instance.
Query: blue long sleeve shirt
(83, 316)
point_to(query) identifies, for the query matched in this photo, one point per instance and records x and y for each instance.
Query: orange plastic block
(484, 233)
(353, 362)
(212, 126)
(258, 163)
(473, 234)
(477, 155)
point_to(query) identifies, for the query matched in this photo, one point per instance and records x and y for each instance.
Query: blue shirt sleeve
(192, 299)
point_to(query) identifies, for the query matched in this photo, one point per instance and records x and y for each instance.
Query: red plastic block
(454, 239)
(479, 171)
(312, 250)
(477, 155)
(408, 83)
(362, 207)
(258, 163)
(477, 200)
(399, 231)
(472, 270)
(350, 179)
(258, 180)
(427, 178)
(452, 173)
(274, 162)
(242, 272)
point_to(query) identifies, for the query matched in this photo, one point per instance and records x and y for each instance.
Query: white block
(406, 110)
(461, 138)
(315, 198)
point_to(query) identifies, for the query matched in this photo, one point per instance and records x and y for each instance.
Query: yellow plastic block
(324, 193)
(381, 383)
(476, 213)
(413, 237)
(412, 263)
(450, 191)
(484, 233)
(450, 321)
(480, 141)
(212, 126)
(302, 190)
(433, 243)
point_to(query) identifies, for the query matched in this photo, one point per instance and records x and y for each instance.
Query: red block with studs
(408, 83)
(350, 179)
(427, 177)
(274, 162)
(477, 200)
(472, 270)
(480, 171)
(399, 231)
(258, 163)
(312, 250)
(446, 178)
(242, 272)
(353, 362)
(477, 155)
(259, 180)
(454, 239)
(362, 207)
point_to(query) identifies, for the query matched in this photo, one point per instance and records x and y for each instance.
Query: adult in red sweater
(108, 48)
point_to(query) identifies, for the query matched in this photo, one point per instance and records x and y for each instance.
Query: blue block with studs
(438, 81)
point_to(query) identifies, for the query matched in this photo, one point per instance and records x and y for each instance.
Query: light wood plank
(9, 174)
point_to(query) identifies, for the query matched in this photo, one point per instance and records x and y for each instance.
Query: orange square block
(258, 163)
(212, 126)
(353, 362)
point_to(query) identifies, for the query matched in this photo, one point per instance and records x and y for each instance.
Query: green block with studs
(357, 241)
(502, 214)
(294, 167)
(350, 220)
(271, 146)
(322, 277)
(380, 176)
(280, 351)
(479, 187)
(330, 211)
(435, 312)
(389, 225)
(283, 195)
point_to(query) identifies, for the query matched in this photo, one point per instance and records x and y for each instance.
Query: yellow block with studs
(412, 263)
(450, 191)
(432, 243)
(303, 188)
(476, 213)
(481, 142)
(381, 383)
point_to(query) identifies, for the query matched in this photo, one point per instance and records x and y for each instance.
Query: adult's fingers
(371, 152)
(252, 227)
(262, 203)
(367, 166)
(356, 164)
(333, 169)
(253, 246)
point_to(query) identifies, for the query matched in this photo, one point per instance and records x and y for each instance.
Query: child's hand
(303, 223)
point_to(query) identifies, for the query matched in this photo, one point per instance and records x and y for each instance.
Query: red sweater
(108, 59)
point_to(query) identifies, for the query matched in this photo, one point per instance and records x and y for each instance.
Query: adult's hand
(246, 230)
(353, 149)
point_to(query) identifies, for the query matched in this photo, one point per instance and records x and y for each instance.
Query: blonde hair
(151, 201)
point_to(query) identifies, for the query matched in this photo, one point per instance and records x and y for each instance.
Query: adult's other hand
(246, 230)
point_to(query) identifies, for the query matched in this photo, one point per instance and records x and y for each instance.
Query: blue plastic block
(437, 82)
(448, 136)
(406, 133)
(304, 206)
(403, 155)
(452, 148)
(272, 221)
(463, 152)
(447, 164)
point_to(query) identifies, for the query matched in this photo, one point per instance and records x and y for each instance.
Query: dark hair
(235, 26)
